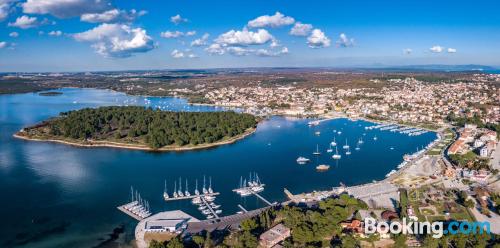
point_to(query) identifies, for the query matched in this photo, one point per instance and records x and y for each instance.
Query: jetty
(138, 208)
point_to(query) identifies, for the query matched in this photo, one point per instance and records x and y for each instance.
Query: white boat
(317, 133)
(196, 191)
(202, 207)
(196, 200)
(206, 211)
(186, 192)
(329, 150)
(210, 190)
(165, 194)
(333, 143)
(218, 211)
(360, 141)
(301, 160)
(357, 148)
(339, 132)
(204, 190)
(375, 138)
(322, 167)
(175, 191)
(346, 146)
(348, 152)
(214, 206)
(245, 193)
(209, 198)
(336, 155)
(317, 151)
(210, 216)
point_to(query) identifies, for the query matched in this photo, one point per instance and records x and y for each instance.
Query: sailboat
(186, 192)
(210, 186)
(348, 152)
(165, 194)
(360, 141)
(204, 190)
(357, 147)
(329, 150)
(336, 155)
(175, 190)
(196, 192)
(180, 188)
(375, 138)
(333, 143)
(317, 151)
(346, 146)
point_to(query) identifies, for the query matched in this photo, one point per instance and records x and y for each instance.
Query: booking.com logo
(436, 229)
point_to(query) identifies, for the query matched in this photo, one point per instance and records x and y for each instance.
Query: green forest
(155, 128)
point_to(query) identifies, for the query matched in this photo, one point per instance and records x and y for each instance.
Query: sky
(101, 35)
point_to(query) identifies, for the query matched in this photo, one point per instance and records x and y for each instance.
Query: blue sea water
(55, 195)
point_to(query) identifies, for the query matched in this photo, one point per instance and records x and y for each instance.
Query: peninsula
(140, 128)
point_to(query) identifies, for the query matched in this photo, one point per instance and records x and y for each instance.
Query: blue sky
(87, 35)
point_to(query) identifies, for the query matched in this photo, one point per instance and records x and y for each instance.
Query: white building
(484, 152)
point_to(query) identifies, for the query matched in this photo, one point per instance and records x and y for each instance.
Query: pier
(209, 207)
(191, 196)
(262, 198)
(242, 208)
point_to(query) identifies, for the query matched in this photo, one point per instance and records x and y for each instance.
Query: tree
(248, 225)
(176, 242)
(198, 240)
(348, 241)
(400, 241)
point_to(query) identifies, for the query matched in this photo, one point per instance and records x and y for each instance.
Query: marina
(85, 176)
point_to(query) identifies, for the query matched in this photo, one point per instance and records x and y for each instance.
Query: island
(136, 127)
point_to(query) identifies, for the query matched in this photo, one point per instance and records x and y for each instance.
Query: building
(483, 152)
(275, 235)
(169, 221)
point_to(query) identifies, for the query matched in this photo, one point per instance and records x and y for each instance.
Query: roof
(277, 232)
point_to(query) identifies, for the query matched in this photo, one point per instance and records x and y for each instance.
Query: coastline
(111, 144)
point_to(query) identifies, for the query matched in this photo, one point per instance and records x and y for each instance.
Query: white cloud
(192, 56)
(3, 44)
(65, 8)
(300, 29)
(276, 20)
(244, 37)
(452, 50)
(343, 41)
(407, 51)
(5, 8)
(14, 34)
(270, 53)
(200, 41)
(318, 39)
(113, 15)
(176, 34)
(177, 54)
(215, 49)
(25, 22)
(239, 51)
(115, 40)
(177, 19)
(436, 49)
(55, 33)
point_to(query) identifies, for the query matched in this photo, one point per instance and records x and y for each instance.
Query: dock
(191, 196)
(242, 208)
(129, 213)
(209, 207)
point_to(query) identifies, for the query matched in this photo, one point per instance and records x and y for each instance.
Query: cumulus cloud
(270, 53)
(55, 33)
(177, 19)
(274, 21)
(300, 29)
(343, 41)
(215, 49)
(318, 39)
(117, 41)
(25, 22)
(177, 54)
(436, 49)
(407, 51)
(3, 44)
(200, 41)
(5, 8)
(452, 50)
(176, 34)
(244, 37)
(14, 34)
(113, 15)
(65, 8)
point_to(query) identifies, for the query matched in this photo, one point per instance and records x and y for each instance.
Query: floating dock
(191, 196)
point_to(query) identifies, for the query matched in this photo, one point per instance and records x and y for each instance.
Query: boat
(301, 160)
(165, 194)
(206, 211)
(317, 133)
(179, 192)
(209, 198)
(317, 151)
(202, 207)
(214, 206)
(336, 155)
(218, 211)
(348, 152)
(175, 191)
(245, 192)
(357, 147)
(346, 146)
(339, 132)
(375, 138)
(196, 191)
(329, 150)
(333, 143)
(204, 190)
(322, 167)
(360, 141)
(186, 192)
(196, 200)
(210, 216)
(210, 190)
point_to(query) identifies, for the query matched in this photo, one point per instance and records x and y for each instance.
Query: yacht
(175, 191)
(179, 192)
(339, 132)
(348, 152)
(218, 211)
(317, 133)
(333, 143)
(357, 148)
(375, 138)
(346, 146)
(336, 155)
(210, 216)
(360, 141)
(196, 200)
(206, 211)
(301, 160)
(245, 192)
(196, 191)
(317, 151)
(329, 150)
(210, 186)
(204, 190)
(202, 207)
(165, 194)
(186, 192)
(322, 167)
(209, 198)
